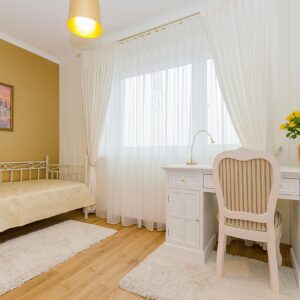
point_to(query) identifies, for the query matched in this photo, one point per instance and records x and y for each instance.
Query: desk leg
(209, 224)
(295, 250)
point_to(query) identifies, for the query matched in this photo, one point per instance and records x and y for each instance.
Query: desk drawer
(181, 179)
(208, 181)
(289, 186)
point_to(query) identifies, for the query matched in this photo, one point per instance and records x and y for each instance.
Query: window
(163, 108)
(158, 107)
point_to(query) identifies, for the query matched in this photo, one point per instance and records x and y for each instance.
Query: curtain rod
(149, 31)
(154, 29)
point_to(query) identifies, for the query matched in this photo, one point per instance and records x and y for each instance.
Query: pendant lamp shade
(84, 18)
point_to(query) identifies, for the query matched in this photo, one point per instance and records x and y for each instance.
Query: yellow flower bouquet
(292, 125)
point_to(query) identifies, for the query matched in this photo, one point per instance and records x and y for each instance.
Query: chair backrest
(247, 186)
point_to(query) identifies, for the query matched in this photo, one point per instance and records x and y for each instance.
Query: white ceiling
(40, 25)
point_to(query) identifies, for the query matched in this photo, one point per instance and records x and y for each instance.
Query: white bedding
(29, 201)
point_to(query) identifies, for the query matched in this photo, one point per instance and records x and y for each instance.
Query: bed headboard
(29, 170)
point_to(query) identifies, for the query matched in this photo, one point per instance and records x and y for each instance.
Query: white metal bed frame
(36, 170)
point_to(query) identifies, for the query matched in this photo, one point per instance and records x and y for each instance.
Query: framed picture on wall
(6, 107)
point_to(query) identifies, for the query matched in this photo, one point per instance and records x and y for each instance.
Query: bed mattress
(29, 201)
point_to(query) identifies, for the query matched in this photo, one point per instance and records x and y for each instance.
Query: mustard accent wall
(36, 105)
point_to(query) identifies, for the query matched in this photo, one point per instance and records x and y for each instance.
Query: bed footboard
(72, 173)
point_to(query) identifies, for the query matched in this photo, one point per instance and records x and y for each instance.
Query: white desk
(191, 210)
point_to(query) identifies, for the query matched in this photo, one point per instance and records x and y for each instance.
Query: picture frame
(6, 107)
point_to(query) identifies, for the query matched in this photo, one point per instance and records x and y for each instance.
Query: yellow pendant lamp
(84, 18)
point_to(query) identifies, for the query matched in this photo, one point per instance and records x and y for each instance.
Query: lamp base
(191, 163)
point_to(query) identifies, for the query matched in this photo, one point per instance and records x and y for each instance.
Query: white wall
(294, 88)
(282, 107)
(72, 138)
(288, 99)
(72, 148)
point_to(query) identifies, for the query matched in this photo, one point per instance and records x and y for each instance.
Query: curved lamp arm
(191, 162)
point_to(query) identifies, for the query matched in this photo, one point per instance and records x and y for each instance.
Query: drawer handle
(197, 220)
(183, 180)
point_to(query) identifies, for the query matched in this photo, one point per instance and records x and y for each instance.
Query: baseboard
(296, 267)
(190, 254)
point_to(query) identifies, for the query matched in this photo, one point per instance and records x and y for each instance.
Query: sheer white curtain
(97, 73)
(163, 92)
(242, 38)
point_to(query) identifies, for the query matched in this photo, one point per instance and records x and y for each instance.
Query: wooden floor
(94, 274)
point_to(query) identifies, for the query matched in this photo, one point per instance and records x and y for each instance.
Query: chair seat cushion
(253, 225)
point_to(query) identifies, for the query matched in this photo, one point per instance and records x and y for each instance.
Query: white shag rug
(30, 255)
(164, 277)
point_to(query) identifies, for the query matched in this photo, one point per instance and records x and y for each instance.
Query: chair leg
(273, 266)
(220, 254)
(278, 253)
